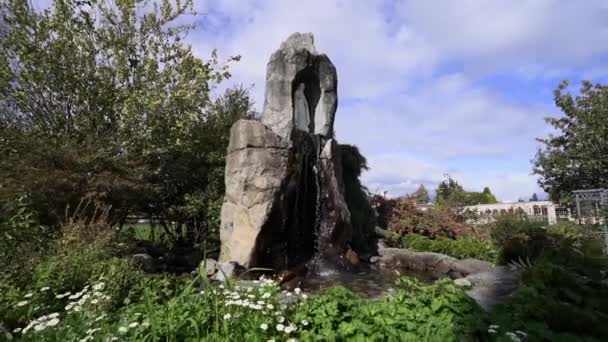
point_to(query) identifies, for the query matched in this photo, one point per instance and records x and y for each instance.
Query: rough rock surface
(228, 270)
(493, 287)
(297, 61)
(489, 285)
(145, 262)
(256, 167)
(284, 188)
(209, 266)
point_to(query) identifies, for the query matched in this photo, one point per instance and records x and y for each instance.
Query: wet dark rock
(145, 261)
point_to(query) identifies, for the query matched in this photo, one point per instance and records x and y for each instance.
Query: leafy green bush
(363, 218)
(518, 238)
(416, 312)
(22, 241)
(558, 303)
(459, 248)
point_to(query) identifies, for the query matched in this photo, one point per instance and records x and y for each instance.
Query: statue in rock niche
(301, 111)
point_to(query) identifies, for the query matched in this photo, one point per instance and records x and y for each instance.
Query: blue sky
(428, 87)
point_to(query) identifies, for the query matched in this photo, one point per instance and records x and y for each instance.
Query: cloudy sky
(428, 87)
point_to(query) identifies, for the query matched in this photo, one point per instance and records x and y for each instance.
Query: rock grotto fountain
(285, 207)
(284, 201)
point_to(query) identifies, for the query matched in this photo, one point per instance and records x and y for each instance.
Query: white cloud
(509, 33)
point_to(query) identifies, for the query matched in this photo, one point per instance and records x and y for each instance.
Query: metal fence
(592, 208)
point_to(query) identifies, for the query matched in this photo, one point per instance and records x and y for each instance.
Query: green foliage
(558, 302)
(422, 195)
(22, 240)
(406, 219)
(519, 238)
(108, 103)
(362, 217)
(451, 194)
(417, 312)
(460, 248)
(576, 157)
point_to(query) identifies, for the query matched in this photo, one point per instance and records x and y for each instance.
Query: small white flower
(280, 327)
(249, 289)
(269, 306)
(266, 295)
(145, 324)
(281, 319)
(227, 316)
(53, 322)
(261, 302)
(123, 330)
(304, 296)
(59, 296)
(137, 314)
(17, 330)
(39, 327)
(304, 322)
(22, 303)
(492, 331)
(297, 290)
(94, 301)
(202, 292)
(264, 326)
(29, 295)
(288, 294)
(44, 289)
(221, 286)
(99, 286)
(291, 328)
(250, 296)
(271, 340)
(292, 340)
(494, 326)
(133, 325)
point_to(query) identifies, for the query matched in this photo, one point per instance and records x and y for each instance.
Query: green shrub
(416, 312)
(460, 248)
(518, 238)
(22, 241)
(363, 218)
(558, 303)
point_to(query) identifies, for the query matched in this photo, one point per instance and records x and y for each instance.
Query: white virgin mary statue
(301, 113)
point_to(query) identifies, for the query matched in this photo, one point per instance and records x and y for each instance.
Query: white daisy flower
(264, 326)
(22, 303)
(227, 316)
(280, 327)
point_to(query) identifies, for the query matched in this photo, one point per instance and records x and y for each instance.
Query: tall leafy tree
(422, 194)
(109, 104)
(575, 156)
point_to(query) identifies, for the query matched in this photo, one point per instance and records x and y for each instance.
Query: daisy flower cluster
(41, 323)
(134, 323)
(515, 336)
(262, 297)
(92, 295)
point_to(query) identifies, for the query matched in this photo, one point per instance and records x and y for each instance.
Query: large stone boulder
(298, 62)
(256, 167)
(284, 199)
